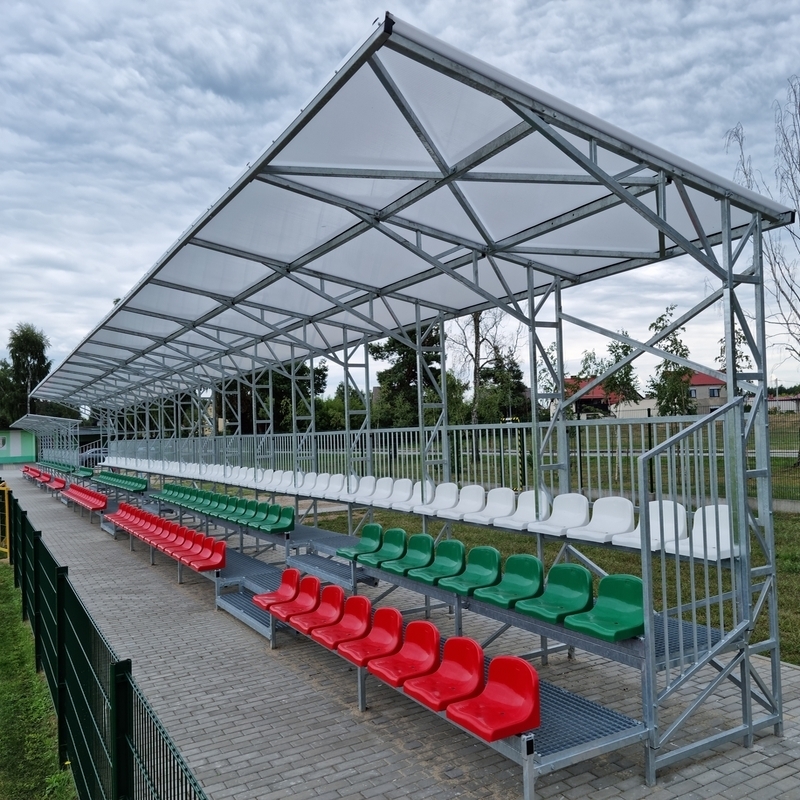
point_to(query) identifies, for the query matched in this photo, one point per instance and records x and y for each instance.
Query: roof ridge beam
(473, 176)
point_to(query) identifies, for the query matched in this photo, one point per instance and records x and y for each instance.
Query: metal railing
(602, 456)
(698, 592)
(116, 745)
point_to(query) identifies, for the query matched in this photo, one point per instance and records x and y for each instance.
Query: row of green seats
(67, 469)
(235, 510)
(565, 598)
(58, 466)
(128, 483)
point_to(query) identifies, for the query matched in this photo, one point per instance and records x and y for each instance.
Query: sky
(122, 122)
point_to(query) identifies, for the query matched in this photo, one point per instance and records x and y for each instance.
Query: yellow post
(4, 534)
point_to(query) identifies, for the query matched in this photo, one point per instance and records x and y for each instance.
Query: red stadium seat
(459, 677)
(290, 585)
(419, 655)
(353, 624)
(307, 600)
(384, 638)
(328, 612)
(508, 705)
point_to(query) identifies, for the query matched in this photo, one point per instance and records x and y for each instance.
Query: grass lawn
(29, 767)
(786, 539)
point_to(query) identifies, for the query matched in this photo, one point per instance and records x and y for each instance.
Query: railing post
(61, 664)
(121, 702)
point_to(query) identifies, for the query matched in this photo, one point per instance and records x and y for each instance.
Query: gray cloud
(122, 122)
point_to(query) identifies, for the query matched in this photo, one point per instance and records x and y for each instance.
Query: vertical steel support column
(763, 475)
(649, 669)
(148, 430)
(263, 435)
(304, 445)
(564, 482)
(537, 481)
(735, 469)
(439, 429)
(358, 437)
(445, 422)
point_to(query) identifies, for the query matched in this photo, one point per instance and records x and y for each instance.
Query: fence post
(61, 664)
(23, 571)
(36, 620)
(121, 702)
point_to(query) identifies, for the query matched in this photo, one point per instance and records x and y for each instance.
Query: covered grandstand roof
(419, 181)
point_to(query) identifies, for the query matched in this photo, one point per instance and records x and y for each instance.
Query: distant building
(17, 447)
(784, 404)
(708, 393)
(596, 402)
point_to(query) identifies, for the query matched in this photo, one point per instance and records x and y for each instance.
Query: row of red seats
(195, 550)
(52, 482)
(504, 705)
(87, 498)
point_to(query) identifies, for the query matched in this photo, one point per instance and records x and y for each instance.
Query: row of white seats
(612, 522)
(499, 507)
(216, 473)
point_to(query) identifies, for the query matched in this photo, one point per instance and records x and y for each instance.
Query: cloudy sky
(121, 122)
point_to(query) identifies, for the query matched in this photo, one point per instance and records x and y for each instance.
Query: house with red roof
(595, 401)
(707, 392)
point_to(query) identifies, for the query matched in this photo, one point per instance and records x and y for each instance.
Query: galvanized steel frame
(170, 367)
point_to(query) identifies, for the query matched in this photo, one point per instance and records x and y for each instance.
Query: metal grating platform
(329, 570)
(240, 605)
(328, 542)
(239, 566)
(570, 721)
(682, 635)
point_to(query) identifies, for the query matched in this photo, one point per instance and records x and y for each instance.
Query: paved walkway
(255, 723)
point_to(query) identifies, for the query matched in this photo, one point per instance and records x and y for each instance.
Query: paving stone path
(255, 723)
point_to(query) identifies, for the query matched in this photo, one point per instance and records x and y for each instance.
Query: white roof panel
(419, 181)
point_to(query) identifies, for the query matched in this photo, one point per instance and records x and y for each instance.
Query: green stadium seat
(371, 540)
(450, 560)
(483, 569)
(418, 554)
(568, 591)
(618, 612)
(523, 577)
(393, 547)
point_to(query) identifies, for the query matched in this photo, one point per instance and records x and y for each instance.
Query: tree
(781, 249)
(330, 411)
(474, 341)
(397, 405)
(502, 394)
(670, 386)
(282, 410)
(622, 385)
(27, 347)
(743, 360)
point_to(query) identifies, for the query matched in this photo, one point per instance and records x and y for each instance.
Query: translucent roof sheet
(419, 180)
